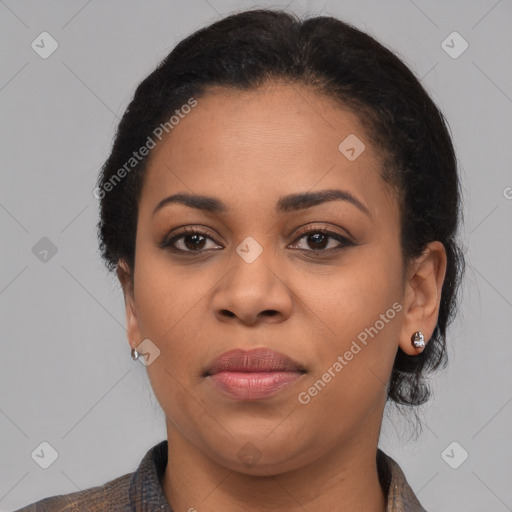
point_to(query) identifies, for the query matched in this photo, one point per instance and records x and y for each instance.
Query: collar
(146, 493)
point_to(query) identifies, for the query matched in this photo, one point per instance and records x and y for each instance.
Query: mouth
(252, 375)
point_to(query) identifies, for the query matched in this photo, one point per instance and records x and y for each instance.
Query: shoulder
(112, 496)
(400, 496)
(132, 491)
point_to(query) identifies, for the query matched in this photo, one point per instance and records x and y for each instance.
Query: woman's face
(255, 278)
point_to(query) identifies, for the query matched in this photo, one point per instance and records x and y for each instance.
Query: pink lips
(252, 374)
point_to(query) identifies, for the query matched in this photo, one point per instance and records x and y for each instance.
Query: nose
(253, 292)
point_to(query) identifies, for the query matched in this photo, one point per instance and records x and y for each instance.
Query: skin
(248, 149)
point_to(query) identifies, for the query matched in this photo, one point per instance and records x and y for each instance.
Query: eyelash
(169, 243)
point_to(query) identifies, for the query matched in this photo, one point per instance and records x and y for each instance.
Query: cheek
(167, 308)
(166, 295)
(361, 293)
(363, 311)
(171, 308)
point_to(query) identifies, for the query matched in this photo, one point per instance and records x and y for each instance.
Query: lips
(256, 360)
(252, 375)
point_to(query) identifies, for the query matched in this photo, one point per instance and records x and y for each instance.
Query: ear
(125, 276)
(422, 295)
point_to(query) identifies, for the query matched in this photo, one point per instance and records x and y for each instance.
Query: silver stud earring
(418, 340)
(135, 354)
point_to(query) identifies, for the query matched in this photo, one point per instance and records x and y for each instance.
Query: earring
(418, 340)
(135, 354)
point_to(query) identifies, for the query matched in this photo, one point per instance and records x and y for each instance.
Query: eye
(319, 238)
(189, 240)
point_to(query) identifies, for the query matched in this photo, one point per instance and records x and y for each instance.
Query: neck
(345, 479)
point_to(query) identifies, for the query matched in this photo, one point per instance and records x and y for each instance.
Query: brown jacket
(141, 490)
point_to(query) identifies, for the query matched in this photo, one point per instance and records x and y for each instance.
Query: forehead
(261, 144)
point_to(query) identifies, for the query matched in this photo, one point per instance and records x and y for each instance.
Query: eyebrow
(285, 204)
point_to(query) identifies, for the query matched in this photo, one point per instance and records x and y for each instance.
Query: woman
(281, 207)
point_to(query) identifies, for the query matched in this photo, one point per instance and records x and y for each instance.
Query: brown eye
(193, 242)
(189, 240)
(319, 240)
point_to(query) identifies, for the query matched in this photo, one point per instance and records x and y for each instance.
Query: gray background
(65, 370)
